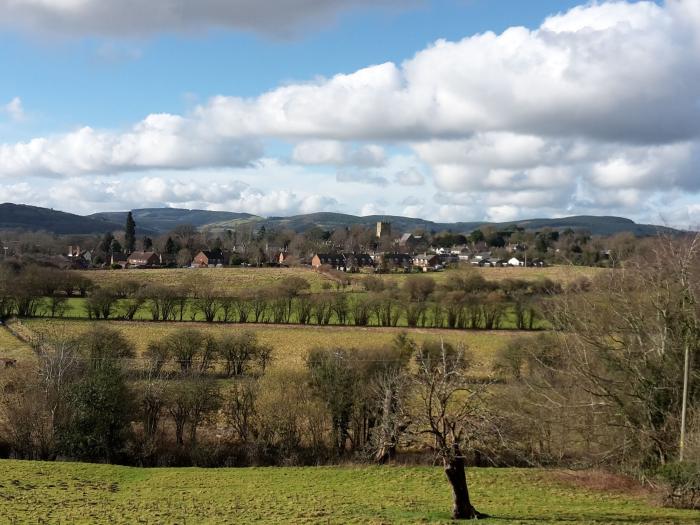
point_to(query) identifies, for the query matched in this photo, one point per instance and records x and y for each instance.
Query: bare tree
(450, 412)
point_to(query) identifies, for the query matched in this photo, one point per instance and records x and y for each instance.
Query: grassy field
(560, 274)
(225, 279)
(34, 492)
(13, 348)
(291, 344)
(237, 279)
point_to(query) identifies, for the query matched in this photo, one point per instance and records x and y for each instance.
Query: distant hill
(152, 221)
(34, 218)
(596, 225)
(165, 219)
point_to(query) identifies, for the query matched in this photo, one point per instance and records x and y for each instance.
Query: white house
(515, 262)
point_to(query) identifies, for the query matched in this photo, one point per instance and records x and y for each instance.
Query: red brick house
(207, 258)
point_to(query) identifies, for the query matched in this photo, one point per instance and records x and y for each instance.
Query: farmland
(87, 493)
(291, 344)
(239, 279)
(225, 279)
(11, 347)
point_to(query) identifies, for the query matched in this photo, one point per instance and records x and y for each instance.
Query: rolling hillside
(165, 219)
(153, 221)
(34, 218)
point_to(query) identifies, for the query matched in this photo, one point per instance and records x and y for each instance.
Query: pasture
(291, 344)
(226, 280)
(12, 348)
(559, 274)
(35, 492)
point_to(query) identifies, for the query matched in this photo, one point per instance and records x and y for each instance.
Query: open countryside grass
(291, 344)
(224, 279)
(12, 348)
(34, 492)
(560, 274)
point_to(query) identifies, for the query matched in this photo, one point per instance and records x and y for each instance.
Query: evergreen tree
(170, 247)
(130, 235)
(115, 247)
(147, 244)
(106, 244)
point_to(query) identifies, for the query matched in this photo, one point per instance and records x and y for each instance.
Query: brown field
(225, 279)
(291, 343)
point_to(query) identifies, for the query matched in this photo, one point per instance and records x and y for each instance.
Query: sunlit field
(34, 492)
(291, 344)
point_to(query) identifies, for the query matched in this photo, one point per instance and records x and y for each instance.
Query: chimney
(77, 251)
(70, 251)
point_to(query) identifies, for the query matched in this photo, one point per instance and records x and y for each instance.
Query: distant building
(397, 260)
(143, 259)
(408, 242)
(346, 262)
(383, 230)
(118, 259)
(426, 261)
(207, 258)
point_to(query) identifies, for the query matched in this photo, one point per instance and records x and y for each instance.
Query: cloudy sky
(441, 109)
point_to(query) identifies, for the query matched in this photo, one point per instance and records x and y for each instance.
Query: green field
(34, 492)
(291, 343)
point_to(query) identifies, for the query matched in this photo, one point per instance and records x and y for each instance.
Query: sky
(448, 110)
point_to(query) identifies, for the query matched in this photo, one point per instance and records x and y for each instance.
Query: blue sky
(123, 106)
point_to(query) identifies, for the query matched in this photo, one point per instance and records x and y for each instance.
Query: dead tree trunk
(456, 474)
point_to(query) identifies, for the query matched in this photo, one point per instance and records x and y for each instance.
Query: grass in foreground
(34, 492)
(291, 343)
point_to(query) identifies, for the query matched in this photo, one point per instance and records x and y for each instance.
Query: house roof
(142, 256)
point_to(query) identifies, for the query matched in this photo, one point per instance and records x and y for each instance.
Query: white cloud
(137, 17)
(593, 72)
(14, 110)
(159, 141)
(84, 195)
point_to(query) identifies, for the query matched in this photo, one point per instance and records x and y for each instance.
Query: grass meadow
(73, 493)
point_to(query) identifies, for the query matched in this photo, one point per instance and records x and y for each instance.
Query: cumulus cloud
(333, 152)
(138, 17)
(159, 141)
(592, 72)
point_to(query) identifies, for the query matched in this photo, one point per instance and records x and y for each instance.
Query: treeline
(91, 398)
(463, 301)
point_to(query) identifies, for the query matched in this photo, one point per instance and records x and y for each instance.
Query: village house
(402, 261)
(143, 260)
(118, 259)
(346, 262)
(408, 242)
(426, 261)
(514, 261)
(333, 260)
(209, 258)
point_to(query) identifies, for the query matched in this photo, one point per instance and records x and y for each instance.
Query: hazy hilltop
(161, 220)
